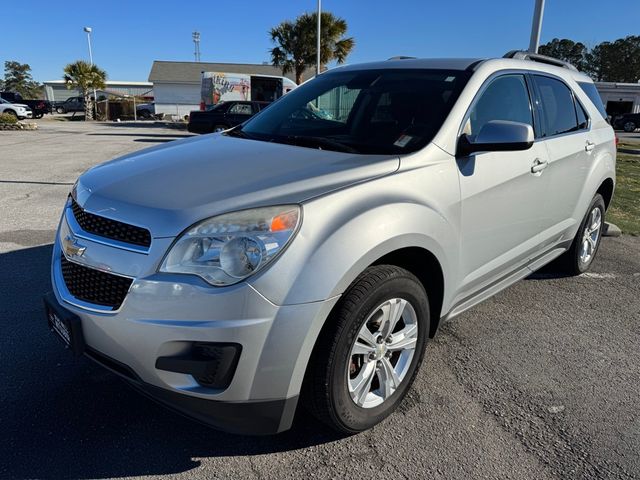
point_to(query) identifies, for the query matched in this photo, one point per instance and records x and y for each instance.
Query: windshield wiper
(319, 142)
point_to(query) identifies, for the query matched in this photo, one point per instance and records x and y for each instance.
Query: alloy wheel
(382, 353)
(591, 235)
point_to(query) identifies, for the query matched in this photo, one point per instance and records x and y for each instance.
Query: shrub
(7, 118)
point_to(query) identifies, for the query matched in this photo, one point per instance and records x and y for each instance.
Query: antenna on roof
(196, 41)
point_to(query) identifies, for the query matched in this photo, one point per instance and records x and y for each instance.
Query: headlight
(227, 249)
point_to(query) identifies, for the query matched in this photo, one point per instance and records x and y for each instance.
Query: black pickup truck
(38, 107)
(628, 122)
(223, 116)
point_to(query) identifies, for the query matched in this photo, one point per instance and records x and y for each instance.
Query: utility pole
(196, 41)
(536, 26)
(318, 40)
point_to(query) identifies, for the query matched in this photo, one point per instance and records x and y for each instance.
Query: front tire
(583, 250)
(629, 127)
(60, 110)
(367, 356)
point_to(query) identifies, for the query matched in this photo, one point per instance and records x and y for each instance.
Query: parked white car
(19, 110)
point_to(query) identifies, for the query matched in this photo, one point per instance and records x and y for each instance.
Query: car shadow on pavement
(66, 417)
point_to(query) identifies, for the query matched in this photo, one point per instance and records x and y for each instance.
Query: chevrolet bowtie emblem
(71, 247)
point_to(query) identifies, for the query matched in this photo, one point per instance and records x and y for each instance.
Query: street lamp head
(87, 29)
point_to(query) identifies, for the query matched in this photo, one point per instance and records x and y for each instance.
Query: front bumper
(23, 115)
(164, 315)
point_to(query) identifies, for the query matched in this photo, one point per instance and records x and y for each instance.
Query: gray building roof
(189, 72)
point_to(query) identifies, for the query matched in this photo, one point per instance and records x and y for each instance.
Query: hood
(170, 187)
(20, 105)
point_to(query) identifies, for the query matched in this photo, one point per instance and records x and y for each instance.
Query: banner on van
(220, 87)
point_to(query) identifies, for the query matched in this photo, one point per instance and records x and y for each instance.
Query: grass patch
(625, 209)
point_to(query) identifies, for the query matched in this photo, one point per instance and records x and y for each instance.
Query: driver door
(502, 198)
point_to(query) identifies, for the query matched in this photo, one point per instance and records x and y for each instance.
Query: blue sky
(129, 35)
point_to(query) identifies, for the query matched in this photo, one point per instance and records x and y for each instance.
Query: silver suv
(311, 252)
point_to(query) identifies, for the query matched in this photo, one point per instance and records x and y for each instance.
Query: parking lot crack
(541, 432)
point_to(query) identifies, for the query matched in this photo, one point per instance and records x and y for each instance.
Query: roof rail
(402, 57)
(536, 57)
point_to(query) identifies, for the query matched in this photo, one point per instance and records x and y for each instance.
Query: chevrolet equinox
(310, 253)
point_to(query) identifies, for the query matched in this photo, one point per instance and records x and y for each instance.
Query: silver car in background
(310, 253)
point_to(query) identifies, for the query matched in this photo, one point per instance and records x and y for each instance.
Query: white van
(219, 87)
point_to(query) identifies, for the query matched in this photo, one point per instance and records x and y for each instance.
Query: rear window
(594, 96)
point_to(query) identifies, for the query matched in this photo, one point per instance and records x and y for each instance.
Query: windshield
(2, 100)
(367, 111)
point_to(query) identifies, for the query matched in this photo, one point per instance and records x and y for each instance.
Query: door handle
(539, 165)
(589, 146)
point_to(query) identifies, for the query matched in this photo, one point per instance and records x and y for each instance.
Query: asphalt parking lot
(541, 381)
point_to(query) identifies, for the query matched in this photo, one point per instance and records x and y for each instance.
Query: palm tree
(296, 43)
(85, 77)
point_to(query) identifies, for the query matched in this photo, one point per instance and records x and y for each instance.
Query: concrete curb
(611, 230)
(629, 151)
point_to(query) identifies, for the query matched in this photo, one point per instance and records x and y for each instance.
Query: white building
(619, 98)
(176, 85)
(57, 91)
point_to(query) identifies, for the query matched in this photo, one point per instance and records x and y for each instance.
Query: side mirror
(497, 136)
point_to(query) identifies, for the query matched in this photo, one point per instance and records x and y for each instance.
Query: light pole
(88, 30)
(196, 41)
(536, 26)
(318, 39)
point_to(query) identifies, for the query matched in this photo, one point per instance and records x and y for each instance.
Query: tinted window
(558, 109)
(364, 111)
(583, 119)
(594, 96)
(241, 109)
(506, 98)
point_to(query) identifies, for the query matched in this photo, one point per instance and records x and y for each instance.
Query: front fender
(347, 231)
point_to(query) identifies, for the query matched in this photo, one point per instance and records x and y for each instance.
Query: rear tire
(579, 258)
(630, 127)
(362, 365)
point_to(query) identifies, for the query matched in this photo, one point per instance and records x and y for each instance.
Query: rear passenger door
(565, 133)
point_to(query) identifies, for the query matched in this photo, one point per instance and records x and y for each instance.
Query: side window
(506, 98)
(558, 110)
(583, 119)
(241, 109)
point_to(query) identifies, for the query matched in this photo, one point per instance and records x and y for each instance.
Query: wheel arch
(426, 267)
(606, 190)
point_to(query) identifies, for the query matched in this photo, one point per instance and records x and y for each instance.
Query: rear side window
(241, 109)
(592, 92)
(583, 119)
(558, 110)
(506, 98)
